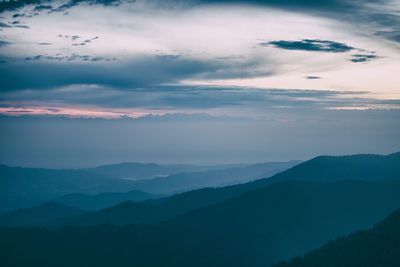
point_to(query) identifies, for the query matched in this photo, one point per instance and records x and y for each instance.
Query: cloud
(139, 72)
(4, 25)
(43, 7)
(73, 57)
(86, 41)
(298, 5)
(16, 15)
(311, 45)
(393, 35)
(194, 98)
(44, 43)
(22, 26)
(73, 38)
(142, 72)
(312, 77)
(357, 58)
(13, 5)
(17, 24)
(42, 4)
(4, 43)
(70, 37)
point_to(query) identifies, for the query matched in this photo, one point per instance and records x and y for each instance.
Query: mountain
(26, 187)
(103, 200)
(167, 208)
(214, 178)
(140, 171)
(37, 215)
(156, 210)
(379, 246)
(333, 168)
(258, 228)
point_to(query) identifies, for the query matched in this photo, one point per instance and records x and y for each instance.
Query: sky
(90, 82)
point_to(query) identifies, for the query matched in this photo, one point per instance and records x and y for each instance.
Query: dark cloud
(18, 24)
(383, 19)
(297, 5)
(16, 4)
(141, 72)
(44, 43)
(70, 37)
(76, 37)
(18, 15)
(43, 7)
(312, 77)
(4, 43)
(39, 72)
(192, 97)
(87, 41)
(73, 57)
(4, 25)
(393, 35)
(311, 45)
(82, 43)
(22, 26)
(362, 58)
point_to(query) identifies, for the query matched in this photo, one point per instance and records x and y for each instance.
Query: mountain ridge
(378, 246)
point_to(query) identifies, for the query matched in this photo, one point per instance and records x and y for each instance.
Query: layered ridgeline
(26, 187)
(364, 167)
(102, 200)
(258, 228)
(379, 246)
(142, 171)
(261, 225)
(213, 178)
(167, 208)
(38, 215)
(350, 167)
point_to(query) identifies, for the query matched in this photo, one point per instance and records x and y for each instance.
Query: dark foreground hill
(258, 228)
(37, 215)
(379, 246)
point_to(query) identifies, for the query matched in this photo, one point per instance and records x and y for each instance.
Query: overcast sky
(84, 83)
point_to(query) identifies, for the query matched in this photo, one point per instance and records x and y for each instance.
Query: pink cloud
(74, 112)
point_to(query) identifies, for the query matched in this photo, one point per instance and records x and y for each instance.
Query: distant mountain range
(252, 224)
(141, 171)
(317, 169)
(27, 187)
(379, 246)
(214, 178)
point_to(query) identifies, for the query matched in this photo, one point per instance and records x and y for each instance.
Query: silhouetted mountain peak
(379, 246)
